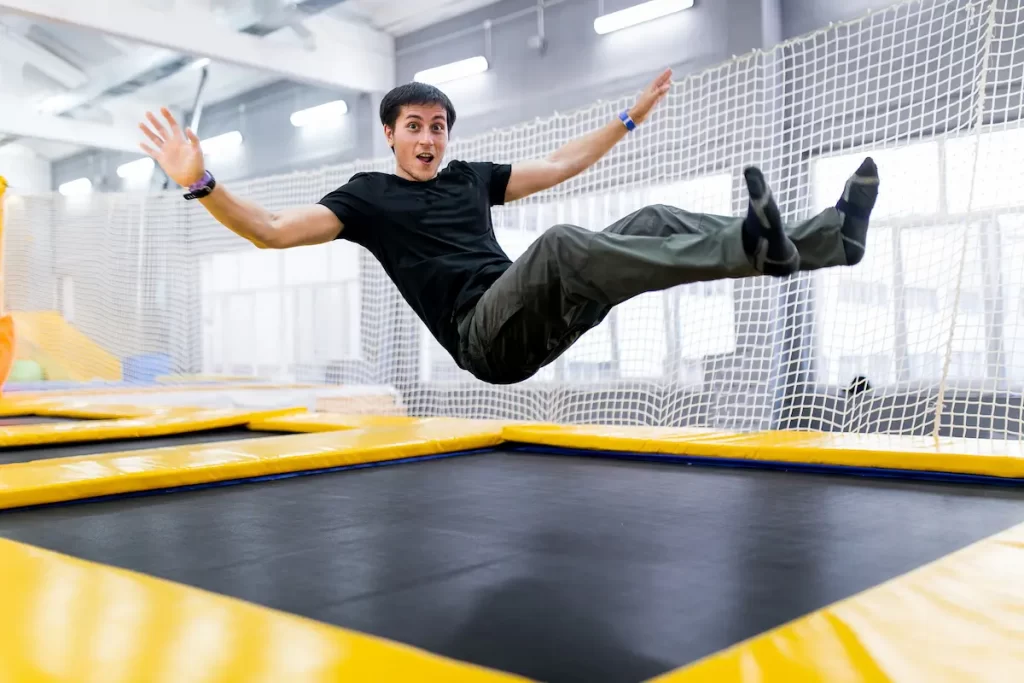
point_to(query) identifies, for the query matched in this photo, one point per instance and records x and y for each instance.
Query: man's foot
(854, 208)
(764, 239)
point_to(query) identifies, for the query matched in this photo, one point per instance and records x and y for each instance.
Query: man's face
(419, 140)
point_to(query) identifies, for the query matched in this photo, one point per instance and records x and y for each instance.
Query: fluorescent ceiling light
(637, 14)
(140, 168)
(75, 188)
(321, 114)
(221, 143)
(453, 71)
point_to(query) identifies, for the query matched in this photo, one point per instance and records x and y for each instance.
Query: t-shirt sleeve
(351, 204)
(495, 177)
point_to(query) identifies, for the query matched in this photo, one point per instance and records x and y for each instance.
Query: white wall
(26, 171)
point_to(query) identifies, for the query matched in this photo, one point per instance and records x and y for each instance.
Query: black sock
(764, 238)
(855, 207)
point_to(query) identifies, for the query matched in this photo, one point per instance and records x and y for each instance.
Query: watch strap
(627, 120)
(202, 187)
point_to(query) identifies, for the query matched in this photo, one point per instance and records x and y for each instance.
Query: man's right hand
(177, 152)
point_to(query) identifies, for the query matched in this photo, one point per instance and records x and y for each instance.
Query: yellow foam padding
(169, 421)
(19, 406)
(80, 408)
(15, 409)
(329, 422)
(66, 619)
(63, 351)
(949, 455)
(960, 618)
(64, 479)
(84, 410)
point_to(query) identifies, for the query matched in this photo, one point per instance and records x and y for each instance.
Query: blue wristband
(625, 118)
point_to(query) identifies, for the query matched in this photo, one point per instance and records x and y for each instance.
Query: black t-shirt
(434, 239)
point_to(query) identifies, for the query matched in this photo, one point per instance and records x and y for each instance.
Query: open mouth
(426, 158)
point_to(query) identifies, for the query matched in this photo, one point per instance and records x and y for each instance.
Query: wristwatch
(627, 120)
(201, 187)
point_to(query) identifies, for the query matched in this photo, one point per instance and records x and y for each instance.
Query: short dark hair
(413, 93)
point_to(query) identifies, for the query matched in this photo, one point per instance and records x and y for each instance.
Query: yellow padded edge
(328, 422)
(64, 479)
(88, 411)
(12, 409)
(960, 618)
(951, 455)
(66, 619)
(74, 408)
(171, 421)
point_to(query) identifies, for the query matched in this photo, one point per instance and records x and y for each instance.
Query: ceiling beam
(24, 122)
(114, 73)
(356, 58)
(20, 49)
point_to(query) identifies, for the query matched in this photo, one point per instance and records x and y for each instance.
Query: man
(431, 231)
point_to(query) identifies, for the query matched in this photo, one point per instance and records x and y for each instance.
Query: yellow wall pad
(329, 422)
(66, 619)
(960, 618)
(64, 352)
(162, 424)
(925, 454)
(65, 479)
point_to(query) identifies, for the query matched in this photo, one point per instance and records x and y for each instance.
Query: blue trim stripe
(740, 463)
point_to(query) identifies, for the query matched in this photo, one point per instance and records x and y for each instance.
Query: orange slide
(6, 348)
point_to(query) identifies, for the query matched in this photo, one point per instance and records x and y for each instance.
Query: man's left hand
(651, 95)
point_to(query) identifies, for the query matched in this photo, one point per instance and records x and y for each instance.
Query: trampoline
(525, 560)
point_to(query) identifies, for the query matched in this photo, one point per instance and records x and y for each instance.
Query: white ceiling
(47, 63)
(400, 17)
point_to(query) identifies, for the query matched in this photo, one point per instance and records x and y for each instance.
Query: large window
(939, 291)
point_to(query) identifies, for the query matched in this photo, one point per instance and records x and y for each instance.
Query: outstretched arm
(580, 154)
(181, 157)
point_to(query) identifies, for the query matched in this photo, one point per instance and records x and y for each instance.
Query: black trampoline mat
(67, 450)
(555, 568)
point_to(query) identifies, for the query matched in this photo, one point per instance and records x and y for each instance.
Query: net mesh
(922, 337)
